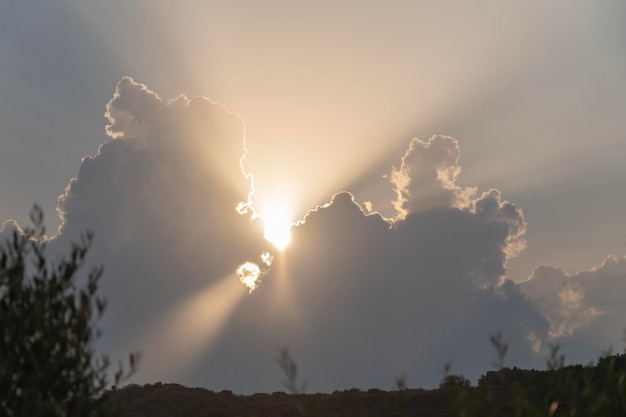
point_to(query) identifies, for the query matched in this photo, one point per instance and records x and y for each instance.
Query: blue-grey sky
(527, 99)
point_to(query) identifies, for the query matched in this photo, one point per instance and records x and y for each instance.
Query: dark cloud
(375, 299)
(358, 298)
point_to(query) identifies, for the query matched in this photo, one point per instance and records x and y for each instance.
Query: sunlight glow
(277, 227)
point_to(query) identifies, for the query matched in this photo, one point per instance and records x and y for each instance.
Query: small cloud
(249, 273)
(132, 109)
(267, 259)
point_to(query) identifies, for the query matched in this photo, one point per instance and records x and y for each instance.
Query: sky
(449, 171)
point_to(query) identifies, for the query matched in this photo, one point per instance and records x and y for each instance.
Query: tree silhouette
(454, 381)
(48, 363)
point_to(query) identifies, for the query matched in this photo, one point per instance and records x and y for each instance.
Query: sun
(277, 223)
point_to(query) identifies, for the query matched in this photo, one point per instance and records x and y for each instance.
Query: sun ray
(190, 329)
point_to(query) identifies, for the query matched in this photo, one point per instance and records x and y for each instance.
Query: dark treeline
(565, 390)
(168, 400)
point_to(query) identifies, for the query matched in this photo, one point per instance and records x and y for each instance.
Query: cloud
(405, 296)
(175, 166)
(584, 309)
(358, 298)
(161, 199)
(426, 180)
